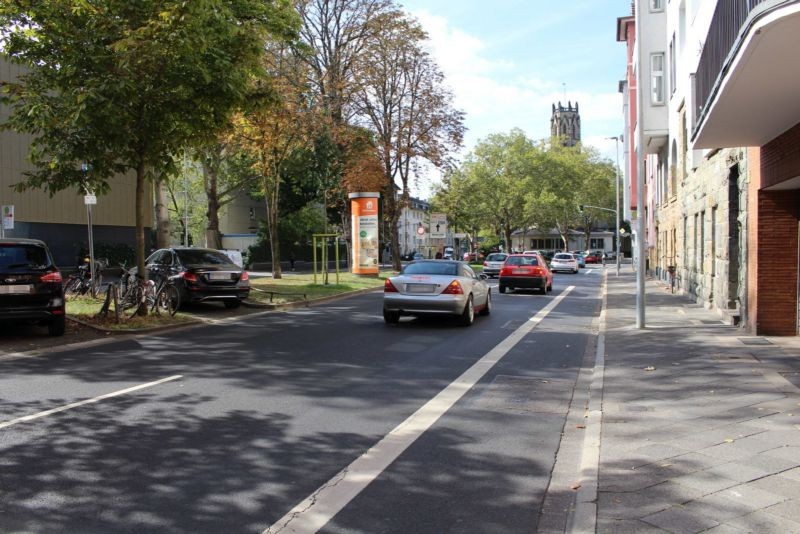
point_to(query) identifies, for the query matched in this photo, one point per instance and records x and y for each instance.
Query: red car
(526, 271)
(592, 257)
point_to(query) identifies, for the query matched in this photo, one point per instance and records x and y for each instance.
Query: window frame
(657, 79)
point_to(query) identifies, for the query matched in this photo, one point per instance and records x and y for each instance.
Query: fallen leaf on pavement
(728, 440)
(581, 426)
(650, 368)
(575, 486)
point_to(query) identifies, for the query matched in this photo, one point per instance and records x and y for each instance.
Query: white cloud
(497, 97)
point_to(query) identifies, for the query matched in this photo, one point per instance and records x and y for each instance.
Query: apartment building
(696, 192)
(61, 220)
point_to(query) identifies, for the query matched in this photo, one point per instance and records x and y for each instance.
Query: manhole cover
(755, 341)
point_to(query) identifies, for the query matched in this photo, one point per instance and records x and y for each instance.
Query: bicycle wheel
(132, 300)
(168, 300)
(72, 289)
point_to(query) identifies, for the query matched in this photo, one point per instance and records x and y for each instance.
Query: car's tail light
(453, 289)
(388, 287)
(189, 277)
(245, 277)
(55, 276)
(537, 271)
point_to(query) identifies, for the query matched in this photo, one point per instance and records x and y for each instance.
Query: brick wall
(777, 262)
(780, 158)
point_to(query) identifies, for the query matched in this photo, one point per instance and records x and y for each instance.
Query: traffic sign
(420, 230)
(438, 225)
(90, 200)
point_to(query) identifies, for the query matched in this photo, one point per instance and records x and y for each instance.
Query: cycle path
(700, 423)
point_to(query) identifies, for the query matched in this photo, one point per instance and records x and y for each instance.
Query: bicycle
(159, 297)
(82, 283)
(671, 276)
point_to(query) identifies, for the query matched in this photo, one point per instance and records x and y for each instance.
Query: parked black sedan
(201, 274)
(30, 284)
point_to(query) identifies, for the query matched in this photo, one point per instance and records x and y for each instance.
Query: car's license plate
(520, 271)
(18, 289)
(219, 276)
(420, 288)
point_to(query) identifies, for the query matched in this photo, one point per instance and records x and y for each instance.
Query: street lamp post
(616, 192)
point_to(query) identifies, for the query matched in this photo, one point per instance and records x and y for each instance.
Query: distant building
(566, 124)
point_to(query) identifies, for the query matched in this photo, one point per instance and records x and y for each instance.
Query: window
(656, 5)
(657, 78)
(672, 66)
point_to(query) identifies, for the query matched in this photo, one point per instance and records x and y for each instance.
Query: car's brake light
(245, 277)
(55, 276)
(453, 289)
(189, 277)
(388, 287)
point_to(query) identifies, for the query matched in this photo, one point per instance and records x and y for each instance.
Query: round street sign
(421, 230)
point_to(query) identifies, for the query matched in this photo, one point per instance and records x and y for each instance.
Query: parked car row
(31, 285)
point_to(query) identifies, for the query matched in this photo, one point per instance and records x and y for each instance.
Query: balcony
(748, 77)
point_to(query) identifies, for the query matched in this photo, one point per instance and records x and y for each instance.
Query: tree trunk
(162, 213)
(213, 236)
(271, 200)
(507, 235)
(141, 206)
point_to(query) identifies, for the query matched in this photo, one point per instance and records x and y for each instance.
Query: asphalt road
(234, 425)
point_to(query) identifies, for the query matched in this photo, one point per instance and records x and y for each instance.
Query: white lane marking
(320, 507)
(87, 401)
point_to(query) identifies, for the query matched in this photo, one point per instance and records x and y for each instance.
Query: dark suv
(30, 284)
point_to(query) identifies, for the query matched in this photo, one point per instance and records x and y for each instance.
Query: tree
(503, 169)
(271, 131)
(125, 86)
(403, 100)
(335, 34)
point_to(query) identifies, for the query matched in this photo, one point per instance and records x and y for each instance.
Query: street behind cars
(30, 285)
(526, 271)
(436, 287)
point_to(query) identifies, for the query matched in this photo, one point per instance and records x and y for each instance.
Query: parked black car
(30, 285)
(201, 274)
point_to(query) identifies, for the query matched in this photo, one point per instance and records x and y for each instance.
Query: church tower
(566, 123)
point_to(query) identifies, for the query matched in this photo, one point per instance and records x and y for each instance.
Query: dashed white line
(66, 407)
(324, 503)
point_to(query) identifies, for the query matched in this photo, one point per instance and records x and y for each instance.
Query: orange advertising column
(366, 247)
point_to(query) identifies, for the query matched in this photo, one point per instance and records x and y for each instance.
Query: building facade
(62, 220)
(723, 181)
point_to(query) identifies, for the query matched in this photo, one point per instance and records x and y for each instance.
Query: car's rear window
(563, 256)
(203, 257)
(17, 256)
(522, 260)
(496, 257)
(432, 267)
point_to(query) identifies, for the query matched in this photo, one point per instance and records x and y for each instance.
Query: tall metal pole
(185, 205)
(640, 228)
(616, 195)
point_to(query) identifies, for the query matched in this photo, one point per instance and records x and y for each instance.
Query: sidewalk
(700, 422)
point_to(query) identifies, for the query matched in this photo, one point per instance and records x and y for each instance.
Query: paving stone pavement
(700, 421)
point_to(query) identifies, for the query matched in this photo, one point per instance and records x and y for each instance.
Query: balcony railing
(724, 35)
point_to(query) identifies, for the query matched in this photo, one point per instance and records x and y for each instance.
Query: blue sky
(508, 61)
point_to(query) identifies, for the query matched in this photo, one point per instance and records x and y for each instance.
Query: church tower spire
(565, 123)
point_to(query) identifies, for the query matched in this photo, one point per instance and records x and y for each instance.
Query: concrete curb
(158, 328)
(584, 519)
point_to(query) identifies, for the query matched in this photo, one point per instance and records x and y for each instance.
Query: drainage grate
(755, 341)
